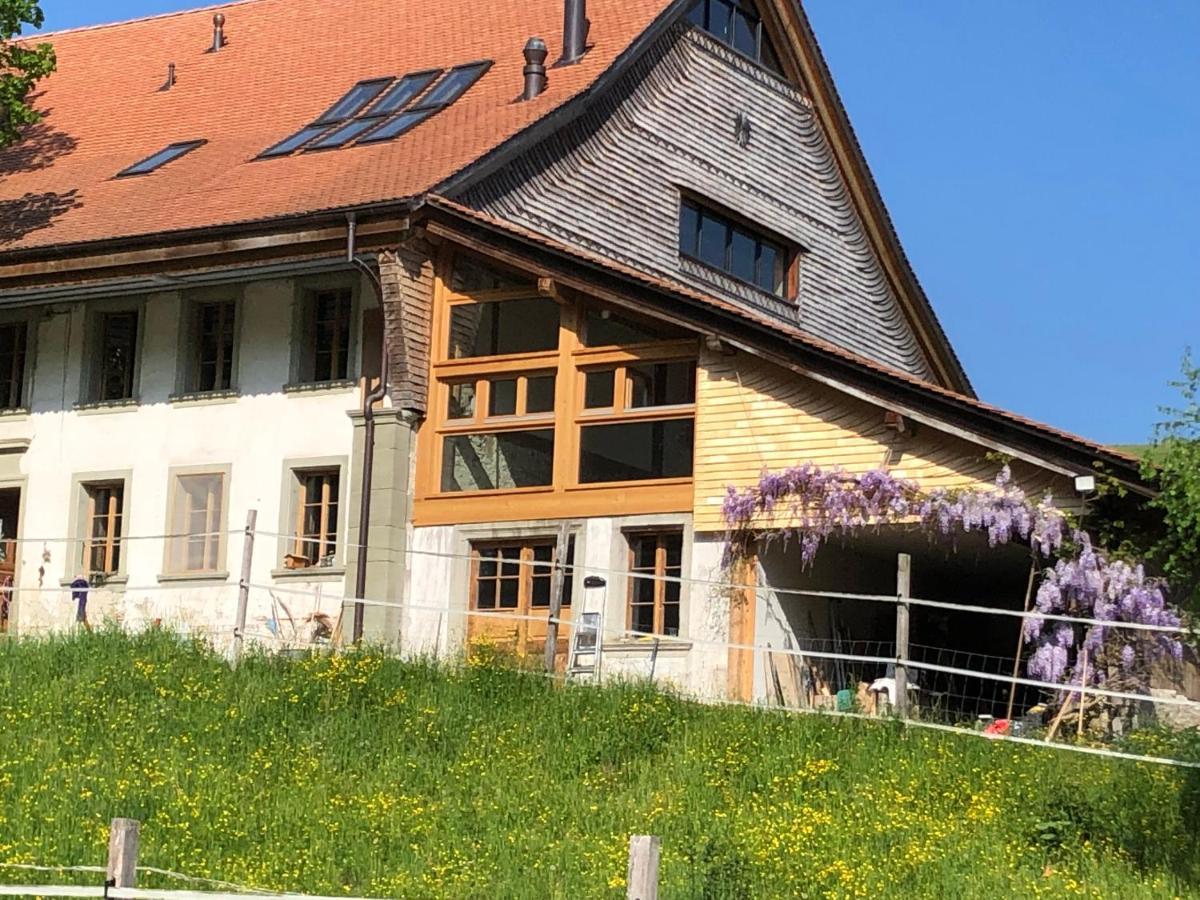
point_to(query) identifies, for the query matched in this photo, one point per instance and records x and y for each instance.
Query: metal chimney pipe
(535, 68)
(218, 32)
(575, 31)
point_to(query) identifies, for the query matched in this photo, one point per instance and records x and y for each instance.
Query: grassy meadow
(365, 775)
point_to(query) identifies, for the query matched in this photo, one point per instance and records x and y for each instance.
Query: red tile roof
(285, 62)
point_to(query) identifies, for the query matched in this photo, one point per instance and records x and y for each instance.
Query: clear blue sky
(1040, 162)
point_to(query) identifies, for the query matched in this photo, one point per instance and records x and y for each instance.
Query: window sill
(311, 573)
(106, 406)
(319, 387)
(16, 414)
(110, 583)
(193, 577)
(724, 281)
(203, 398)
(646, 645)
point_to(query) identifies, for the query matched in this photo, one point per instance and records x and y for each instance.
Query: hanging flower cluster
(1089, 585)
(808, 504)
(817, 503)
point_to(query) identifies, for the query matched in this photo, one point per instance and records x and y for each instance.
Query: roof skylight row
(382, 108)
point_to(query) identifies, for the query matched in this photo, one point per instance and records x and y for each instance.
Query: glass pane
(642, 618)
(401, 92)
(712, 241)
(487, 563)
(502, 400)
(770, 269)
(539, 394)
(485, 594)
(509, 592)
(569, 575)
(674, 547)
(394, 127)
(598, 389)
(696, 13)
(745, 31)
(462, 401)
(118, 348)
(471, 275)
(743, 250)
(767, 55)
(671, 616)
(510, 562)
(301, 137)
(689, 225)
(644, 550)
(512, 326)
(662, 384)
(354, 100)
(485, 462)
(343, 134)
(604, 328)
(454, 84)
(198, 519)
(720, 13)
(635, 451)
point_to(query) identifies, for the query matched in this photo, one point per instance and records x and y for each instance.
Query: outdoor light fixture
(1085, 484)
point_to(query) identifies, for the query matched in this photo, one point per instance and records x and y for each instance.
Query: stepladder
(586, 647)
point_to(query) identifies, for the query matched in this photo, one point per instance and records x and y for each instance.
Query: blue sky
(1040, 163)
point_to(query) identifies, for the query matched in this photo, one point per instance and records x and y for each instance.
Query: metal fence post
(903, 580)
(123, 852)
(642, 877)
(239, 628)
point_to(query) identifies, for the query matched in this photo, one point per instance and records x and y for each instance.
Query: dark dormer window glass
(735, 249)
(161, 158)
(299, 139)
(738, 24)
(403, 91)
(353, 102)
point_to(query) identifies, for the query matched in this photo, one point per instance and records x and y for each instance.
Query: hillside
(361, 774)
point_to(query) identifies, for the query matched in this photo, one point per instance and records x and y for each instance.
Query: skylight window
(382, 108)
(161, 158)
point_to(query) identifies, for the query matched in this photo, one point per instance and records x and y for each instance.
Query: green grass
(361, 774)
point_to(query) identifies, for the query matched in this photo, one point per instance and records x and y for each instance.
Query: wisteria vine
(808, 505)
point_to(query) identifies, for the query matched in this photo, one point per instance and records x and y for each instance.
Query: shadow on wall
(40, 146)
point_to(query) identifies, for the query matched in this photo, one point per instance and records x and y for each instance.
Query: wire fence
(838, 672)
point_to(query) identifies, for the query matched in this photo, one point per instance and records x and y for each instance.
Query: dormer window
(738, 24)
(741, 251)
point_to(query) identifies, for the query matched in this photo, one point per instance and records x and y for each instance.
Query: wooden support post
(1012, 688)
(123, 852)
(903, 583)
(239, 628)
(642, 877)
(557, 582)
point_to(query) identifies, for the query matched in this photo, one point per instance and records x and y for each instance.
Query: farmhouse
(467, 292)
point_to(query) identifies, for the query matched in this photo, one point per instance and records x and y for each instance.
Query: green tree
(21, 65)
(1173, 462)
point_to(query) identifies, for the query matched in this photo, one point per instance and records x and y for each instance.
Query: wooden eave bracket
(549, 287)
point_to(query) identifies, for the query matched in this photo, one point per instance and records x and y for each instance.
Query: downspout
(370, 398)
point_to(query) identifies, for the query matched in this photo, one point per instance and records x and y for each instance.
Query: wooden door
(510, 597)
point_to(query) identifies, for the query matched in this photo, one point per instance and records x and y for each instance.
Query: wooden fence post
(239, 628)
(557, 581)
(642, 877)
(903, 581)
(123, 852)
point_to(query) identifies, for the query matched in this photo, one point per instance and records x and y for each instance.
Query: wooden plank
(557, 582)
(642, 876)
(740, 678)
(123, 839)
(903, 584)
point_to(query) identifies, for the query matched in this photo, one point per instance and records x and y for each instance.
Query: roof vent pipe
(535, 68)
(218, 33)
(575, 31)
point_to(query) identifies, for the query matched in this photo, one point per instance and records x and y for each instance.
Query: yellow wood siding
(752, 415)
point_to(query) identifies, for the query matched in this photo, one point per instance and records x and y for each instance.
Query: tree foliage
(21, 66)
(1173, 462)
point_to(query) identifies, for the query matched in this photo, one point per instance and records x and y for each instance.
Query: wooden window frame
(788, 252)
(305, 348)
(526, 571)
(564, 495)
(660, 535)
(328, 536)
(13, 394)
(763, 33)
(97, 355)
(114, 518)
(215, 533)
(229, 310)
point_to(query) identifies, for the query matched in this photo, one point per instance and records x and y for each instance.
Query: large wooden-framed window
(721, 241)
(13, 340)
(318, 495)
(103, 515)
(114, 356)
(655, 567)
(738, 24)
(213, 346)
(537, 396)
(197, 523)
